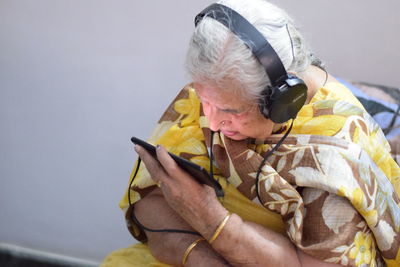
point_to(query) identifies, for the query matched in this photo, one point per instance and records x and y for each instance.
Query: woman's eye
(230, 111)
(233, 111)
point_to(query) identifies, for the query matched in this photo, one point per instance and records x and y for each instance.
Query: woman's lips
(228, 133)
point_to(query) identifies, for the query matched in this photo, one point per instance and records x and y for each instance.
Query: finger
(153, 166)
(169, 164)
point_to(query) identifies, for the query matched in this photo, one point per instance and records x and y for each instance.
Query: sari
(332, 187)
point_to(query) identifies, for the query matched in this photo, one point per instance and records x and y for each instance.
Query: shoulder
(338, 92)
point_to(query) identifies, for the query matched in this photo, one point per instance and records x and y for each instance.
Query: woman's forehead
(211, 92)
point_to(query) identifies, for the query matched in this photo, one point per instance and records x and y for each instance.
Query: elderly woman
(307, 175)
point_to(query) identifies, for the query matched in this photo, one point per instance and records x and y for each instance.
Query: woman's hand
(197, 204)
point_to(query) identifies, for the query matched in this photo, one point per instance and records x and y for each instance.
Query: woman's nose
(215, 117)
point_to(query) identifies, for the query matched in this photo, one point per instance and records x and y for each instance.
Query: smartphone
(196, 171)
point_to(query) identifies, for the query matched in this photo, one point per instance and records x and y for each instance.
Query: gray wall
(79, 78)
(357, 39)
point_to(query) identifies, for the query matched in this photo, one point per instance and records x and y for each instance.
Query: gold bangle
(219, 228)
(189, 249)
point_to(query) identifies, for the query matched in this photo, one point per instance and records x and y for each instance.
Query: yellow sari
(335, 158)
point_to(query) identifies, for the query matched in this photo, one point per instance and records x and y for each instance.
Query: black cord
(267, 156)
(135, 219)
(291, 42)
(133, 178)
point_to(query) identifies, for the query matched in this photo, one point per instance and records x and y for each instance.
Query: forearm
(154, 212)
(244, 243)
(248, 244)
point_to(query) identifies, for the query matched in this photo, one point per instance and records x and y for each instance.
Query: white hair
(217, 57)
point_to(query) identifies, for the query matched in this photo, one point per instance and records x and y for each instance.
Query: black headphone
(281, 101)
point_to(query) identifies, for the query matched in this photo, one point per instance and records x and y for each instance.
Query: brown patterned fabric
(332, 181)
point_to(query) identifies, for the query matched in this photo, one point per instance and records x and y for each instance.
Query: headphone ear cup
(285, 101)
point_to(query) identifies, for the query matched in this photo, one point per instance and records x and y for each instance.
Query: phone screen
(196, 171)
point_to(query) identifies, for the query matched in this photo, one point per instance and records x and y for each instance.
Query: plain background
(79, 78)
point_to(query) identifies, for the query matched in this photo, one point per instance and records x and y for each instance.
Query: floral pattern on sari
(333, 180)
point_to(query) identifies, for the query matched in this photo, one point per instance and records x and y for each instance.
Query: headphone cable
(267, 156)
(136, 220)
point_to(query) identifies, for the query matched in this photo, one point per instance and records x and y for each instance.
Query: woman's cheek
(242, 121)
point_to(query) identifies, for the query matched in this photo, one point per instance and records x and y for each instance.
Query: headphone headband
(251, 37)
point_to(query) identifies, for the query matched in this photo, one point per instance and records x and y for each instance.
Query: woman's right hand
(197, 204)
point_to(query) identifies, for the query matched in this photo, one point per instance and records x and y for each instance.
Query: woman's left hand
(197, 204)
